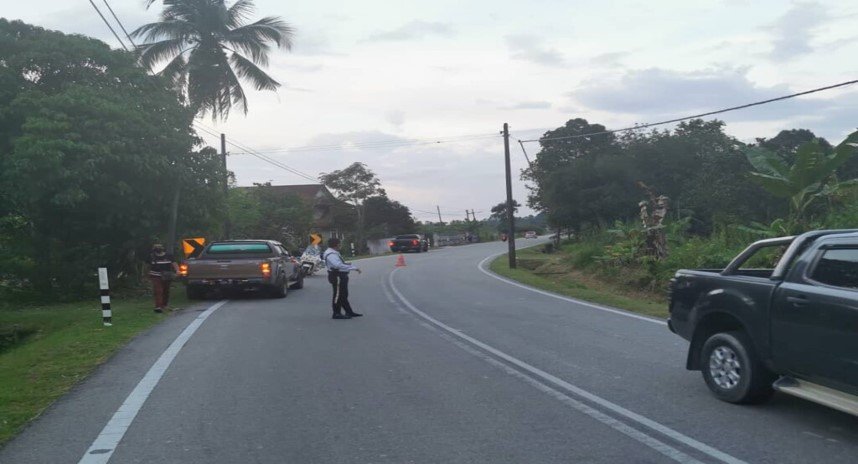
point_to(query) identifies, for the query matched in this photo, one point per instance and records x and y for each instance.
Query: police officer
(338, 276)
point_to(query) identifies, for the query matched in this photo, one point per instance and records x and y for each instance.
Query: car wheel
(299, 284)
(733, 371)
(280, 291)
(194, 293)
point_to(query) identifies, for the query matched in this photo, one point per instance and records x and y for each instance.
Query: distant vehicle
(242, 265)
(530, 234)
(792, 328)
(410, 242)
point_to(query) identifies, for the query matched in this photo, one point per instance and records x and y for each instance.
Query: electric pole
(226, 224)
(510, 210)
(439, 215)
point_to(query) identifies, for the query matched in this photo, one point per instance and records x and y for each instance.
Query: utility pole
(227, 226)
(439, 214)
(510, 210)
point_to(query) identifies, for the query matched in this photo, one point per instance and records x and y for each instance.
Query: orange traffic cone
(400, 262)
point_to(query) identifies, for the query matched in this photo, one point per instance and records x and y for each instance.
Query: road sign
(315, 239)
(193, 246)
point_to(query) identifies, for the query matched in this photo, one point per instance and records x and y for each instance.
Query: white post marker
(353, 248)
(104, 290)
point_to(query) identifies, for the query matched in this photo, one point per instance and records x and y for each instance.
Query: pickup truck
(242, 265)
(411, 242)
(792, 327)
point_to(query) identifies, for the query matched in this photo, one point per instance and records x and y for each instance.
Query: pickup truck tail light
(415, 242)
(265, 268)
(183, 270)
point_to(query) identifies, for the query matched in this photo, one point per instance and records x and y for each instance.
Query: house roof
(313, 193)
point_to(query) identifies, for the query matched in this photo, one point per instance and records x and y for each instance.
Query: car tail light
(183, 270)
(415, 242)
(265, 268)
(390, 243)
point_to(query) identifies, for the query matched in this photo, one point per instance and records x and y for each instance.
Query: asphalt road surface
(449, 365)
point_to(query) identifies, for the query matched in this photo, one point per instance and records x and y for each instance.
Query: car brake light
(414, 242)
(183, 270)
(390, 244)
(265, 268)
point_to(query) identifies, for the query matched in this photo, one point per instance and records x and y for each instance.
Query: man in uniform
(338, 276)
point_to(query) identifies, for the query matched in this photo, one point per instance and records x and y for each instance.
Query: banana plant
(810, 178)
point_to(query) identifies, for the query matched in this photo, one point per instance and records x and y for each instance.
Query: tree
(90, 150)
(354, 185)
(499, 213)
(385, 217)
(811, 177)
(210, 48)
(260, 212)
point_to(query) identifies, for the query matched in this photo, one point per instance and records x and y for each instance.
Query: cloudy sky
(364, 76)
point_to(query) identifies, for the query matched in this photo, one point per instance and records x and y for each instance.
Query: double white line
(572, 395)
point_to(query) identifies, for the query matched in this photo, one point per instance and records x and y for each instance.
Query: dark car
(410, 242)
(242, 265)
(783, 315)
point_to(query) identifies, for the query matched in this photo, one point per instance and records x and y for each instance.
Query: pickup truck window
(838, 268)
(233, 248)
(764, 258)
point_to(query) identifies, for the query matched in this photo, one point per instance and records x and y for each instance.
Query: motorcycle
(311, 261)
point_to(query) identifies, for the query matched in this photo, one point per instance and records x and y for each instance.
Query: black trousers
(340, 284)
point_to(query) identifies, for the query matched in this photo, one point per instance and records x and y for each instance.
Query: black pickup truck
(794, 327)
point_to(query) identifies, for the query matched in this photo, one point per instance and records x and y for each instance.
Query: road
(449, 365)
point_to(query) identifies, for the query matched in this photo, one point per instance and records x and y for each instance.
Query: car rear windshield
(409, 237)
(239, 248)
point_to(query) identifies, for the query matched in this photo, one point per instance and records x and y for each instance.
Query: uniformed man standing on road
(338, 276)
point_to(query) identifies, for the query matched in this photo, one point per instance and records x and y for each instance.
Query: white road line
(581, 393)
(105, 444)
(485, 271)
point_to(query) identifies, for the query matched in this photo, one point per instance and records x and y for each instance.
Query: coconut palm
(209, 46)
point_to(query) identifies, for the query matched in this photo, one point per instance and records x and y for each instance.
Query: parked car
(410, 242)
(242, 265)
(793, 327)
(530, 234)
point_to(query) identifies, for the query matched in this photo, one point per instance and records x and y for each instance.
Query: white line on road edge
(564, 298)
(102, 448)
(619, 426)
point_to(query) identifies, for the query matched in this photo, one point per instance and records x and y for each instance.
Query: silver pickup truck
(242, 265)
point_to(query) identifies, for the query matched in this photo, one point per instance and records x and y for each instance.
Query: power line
(120, 24)
(376, 144)
(109, 26)
(696, 116)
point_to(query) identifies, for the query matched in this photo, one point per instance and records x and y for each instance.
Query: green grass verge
(59, 346)
(564, 280)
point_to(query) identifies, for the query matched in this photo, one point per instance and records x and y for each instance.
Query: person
(338, 276)
(162, 268)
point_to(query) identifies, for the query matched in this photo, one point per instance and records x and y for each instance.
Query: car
(409, 242)
(242, 265)
(755, 326)
(530, 234)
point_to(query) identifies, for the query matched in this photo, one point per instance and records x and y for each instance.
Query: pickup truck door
(815, 319)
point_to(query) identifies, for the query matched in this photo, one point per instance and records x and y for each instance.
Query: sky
(365, 78)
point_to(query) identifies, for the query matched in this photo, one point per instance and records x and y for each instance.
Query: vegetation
(263, 212)
(210, 49)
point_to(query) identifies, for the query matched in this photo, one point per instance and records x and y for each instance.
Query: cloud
(532, 48)
(610, 59)
(395, 117)
(528, 105)
(414, 30)
(794, 31)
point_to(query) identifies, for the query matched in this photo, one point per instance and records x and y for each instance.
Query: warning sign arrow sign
(192, 247)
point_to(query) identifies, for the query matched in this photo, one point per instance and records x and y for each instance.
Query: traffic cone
(400, 262)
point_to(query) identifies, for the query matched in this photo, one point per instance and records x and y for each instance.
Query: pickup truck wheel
(194, 293)
(299, 284)
(281, 290)
(733, 371)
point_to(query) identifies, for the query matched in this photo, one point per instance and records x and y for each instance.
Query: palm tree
(208, 45)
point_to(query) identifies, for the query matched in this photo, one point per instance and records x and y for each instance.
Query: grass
(556, 274)
(58, 346)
